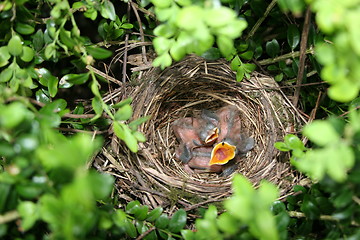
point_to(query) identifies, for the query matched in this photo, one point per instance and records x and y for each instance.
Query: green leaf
(132, 206)
(235, 63)
(272, 48)
(98, 53)
(226, 45)
(340, 160)
(279, 77)
(321, 132)
(177, 51)
(139, 136)
(293, 142)
(141, 212)
(24, 29)
(29, 213)
(228, 223)
(96, 103)
(65, 37)
(212, 54)
(162, 61)
(4, 56)
(282, 146)
(162, 3)
(124, 113)
(249, 67)
(6, 75)
(28, 54)
(178, 221)
(119, 217)
(137, 122)
(162, 221)
(165, 30)
(127, 26)
(122, 103)
(309, 207)
(343, 91)
(108, 10)
(5, 190)
(38, 40)
(129, 139)
(190, 17)
(187, 234)
(154, 214)
(162, 45)
(77, 5)
(76, 78)
(53, 86)
(211, 213)
(50, 51)
(130, 228)
(15, 46)
(293, 36)
(12, 115)
(219, 17)
(41, 96)
(240, 74)
(247, 55)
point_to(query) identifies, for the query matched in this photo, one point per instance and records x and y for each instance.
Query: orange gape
(222, 153)
(211, 140)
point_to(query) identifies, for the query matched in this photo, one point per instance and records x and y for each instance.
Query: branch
(284, 57)
(9, 217)
(260, 21)
(303, 44)
(322, 217)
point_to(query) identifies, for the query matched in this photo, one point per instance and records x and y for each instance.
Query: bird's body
(213, 141)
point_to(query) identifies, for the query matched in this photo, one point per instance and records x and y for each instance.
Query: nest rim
(182, 90)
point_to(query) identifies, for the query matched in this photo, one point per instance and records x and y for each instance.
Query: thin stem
(284, 57)
(321, 217)
(9, 217)
(304, 40)
(260, 21)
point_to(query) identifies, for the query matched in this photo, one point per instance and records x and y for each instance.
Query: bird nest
(156, 177)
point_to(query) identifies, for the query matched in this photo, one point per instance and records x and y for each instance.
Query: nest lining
(182, 91)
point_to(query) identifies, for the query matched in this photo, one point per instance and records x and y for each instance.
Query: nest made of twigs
(154, 176)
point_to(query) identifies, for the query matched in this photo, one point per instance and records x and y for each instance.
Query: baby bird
(200, 161)
(231, 142)
(206, 127)
(187, 136)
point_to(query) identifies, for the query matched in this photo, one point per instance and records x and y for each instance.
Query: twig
(347, 112)
(303, 44)
(125, 51)
(356, 199)
(284, 57)
(313, 112)
(260, 21)
(80, 131)
(217, 199)
(143, 49)
(101, 74)
(283, 87)
(9, 216)
(321, 217)
(144, 234)
(309, 74)
(147, 12)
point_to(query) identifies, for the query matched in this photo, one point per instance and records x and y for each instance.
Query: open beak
(222, 153)
(213, 136)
